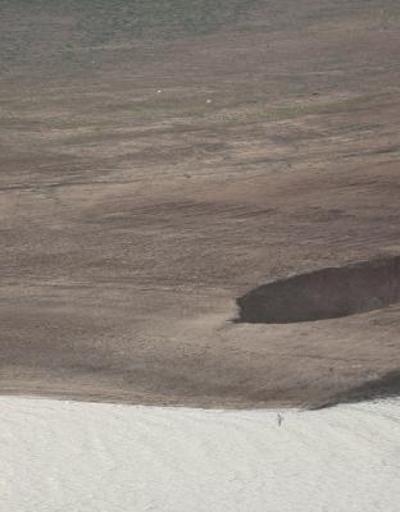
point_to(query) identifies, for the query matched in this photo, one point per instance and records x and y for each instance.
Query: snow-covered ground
(79, 457)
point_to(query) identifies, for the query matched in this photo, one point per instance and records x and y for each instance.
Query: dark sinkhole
(328, 293)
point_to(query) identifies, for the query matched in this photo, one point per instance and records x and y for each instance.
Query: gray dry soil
(158, 164)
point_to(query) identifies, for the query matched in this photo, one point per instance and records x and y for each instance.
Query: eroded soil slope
(157, 164)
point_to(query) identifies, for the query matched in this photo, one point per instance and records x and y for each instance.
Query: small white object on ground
(73, 457)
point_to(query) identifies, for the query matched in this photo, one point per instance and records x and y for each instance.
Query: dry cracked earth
(199, 201)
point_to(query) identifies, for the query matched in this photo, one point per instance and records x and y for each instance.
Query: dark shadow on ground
(328, 293)
(387, 386)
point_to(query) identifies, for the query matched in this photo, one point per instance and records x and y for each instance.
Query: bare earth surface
(156, 167)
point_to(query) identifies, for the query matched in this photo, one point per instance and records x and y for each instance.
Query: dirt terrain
(159, 163)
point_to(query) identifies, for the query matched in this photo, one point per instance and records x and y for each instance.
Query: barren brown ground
(134, 211)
